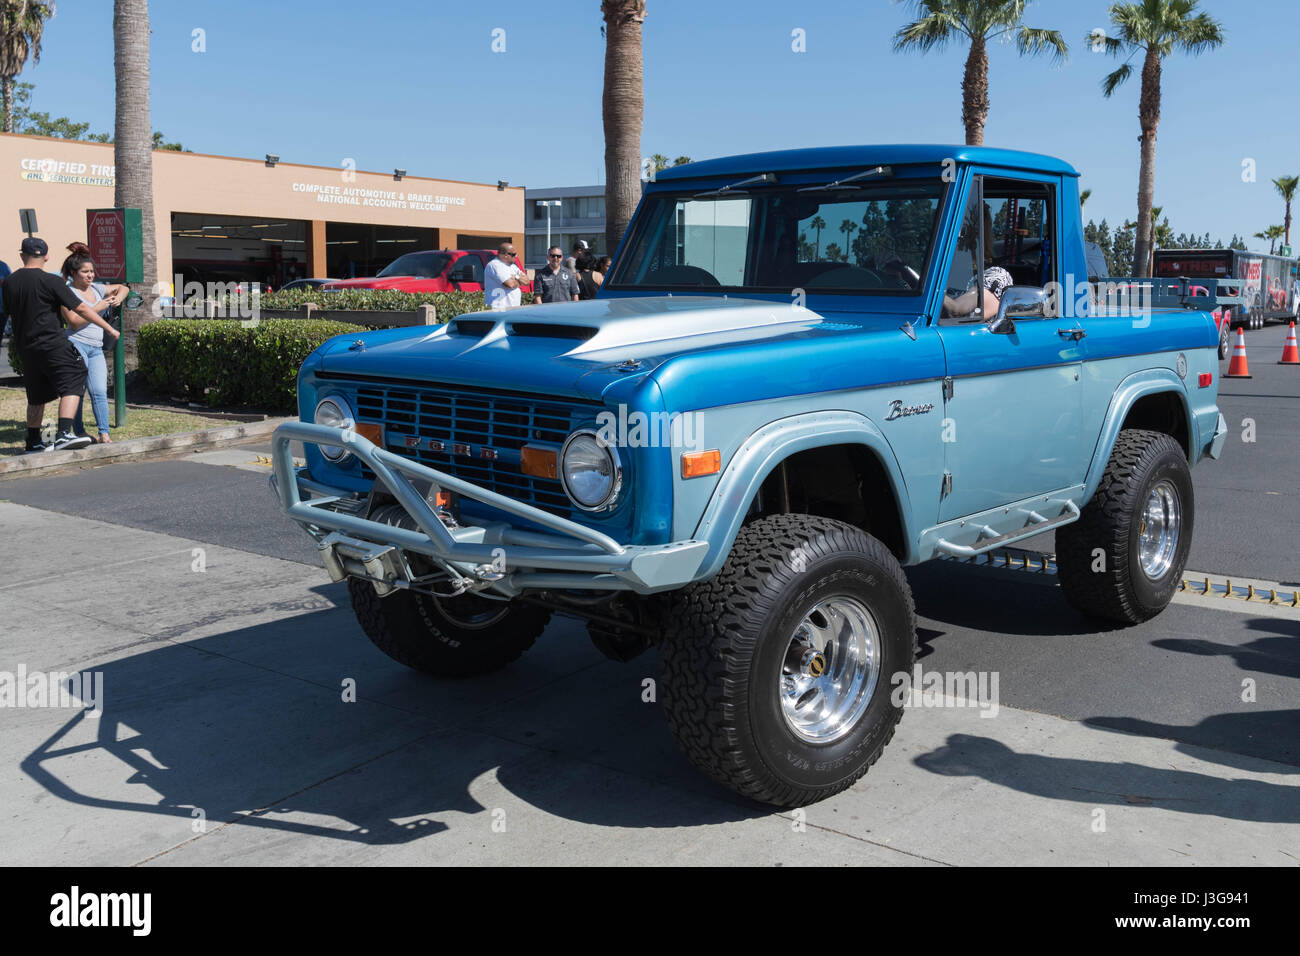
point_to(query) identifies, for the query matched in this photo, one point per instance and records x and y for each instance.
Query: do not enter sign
(116, 244)
(107, 241)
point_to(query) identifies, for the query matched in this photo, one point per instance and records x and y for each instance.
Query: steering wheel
(835, 277)
(905, 275)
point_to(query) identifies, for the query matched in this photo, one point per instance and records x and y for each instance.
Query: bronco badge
(898, 410)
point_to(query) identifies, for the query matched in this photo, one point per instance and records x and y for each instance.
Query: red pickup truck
(439, 270)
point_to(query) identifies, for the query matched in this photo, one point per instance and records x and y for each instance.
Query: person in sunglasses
(502, 278)
(556, 282)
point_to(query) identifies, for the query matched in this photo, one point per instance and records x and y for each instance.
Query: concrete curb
(136, 449)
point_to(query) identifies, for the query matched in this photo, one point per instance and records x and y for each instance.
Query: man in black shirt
(554, 283)
(52, 366)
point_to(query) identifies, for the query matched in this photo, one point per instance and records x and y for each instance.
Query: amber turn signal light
(697, 464)
(539, 462)
(371, 432)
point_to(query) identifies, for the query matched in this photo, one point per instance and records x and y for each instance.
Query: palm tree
(1084, 195)
(133, 135)
(1272, 234)
(979, 21)
(819, 224)
(1286, 186)
(847, 227)
(22, 24)
(1162, 236)
(681, 160)
(622, 109)
(1154, 28)
(654, 163)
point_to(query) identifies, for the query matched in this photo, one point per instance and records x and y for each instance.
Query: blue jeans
(97, 382)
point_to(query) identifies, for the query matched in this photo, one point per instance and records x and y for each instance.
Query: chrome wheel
(1159, 530)
(831, 668)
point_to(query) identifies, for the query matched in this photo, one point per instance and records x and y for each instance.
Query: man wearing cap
(555, 283)
(579, 248)
(52, 366)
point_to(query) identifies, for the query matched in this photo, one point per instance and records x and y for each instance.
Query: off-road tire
(1111, 585)
(412, 629)
(724, 646)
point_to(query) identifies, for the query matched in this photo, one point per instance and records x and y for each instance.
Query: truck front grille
(474, 435)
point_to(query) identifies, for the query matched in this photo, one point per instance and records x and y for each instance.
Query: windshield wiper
(877, 172)
(765, 179)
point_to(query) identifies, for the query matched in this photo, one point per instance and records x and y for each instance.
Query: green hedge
(448, 304)
(224, 362)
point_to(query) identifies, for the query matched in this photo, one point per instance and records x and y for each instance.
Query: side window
(1020, 249)
(1006, 239)
(470, 267)
(961, 302)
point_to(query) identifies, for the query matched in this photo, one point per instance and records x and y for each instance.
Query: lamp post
(548, 203)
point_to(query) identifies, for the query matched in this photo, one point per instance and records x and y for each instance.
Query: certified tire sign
(116, 244)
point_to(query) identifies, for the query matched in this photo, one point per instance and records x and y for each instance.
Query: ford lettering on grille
(475, 435)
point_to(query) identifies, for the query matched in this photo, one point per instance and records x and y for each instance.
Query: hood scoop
(596, 328)
(551, 330)
(472, 328)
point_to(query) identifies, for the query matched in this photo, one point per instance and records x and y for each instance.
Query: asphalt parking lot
(228, 735)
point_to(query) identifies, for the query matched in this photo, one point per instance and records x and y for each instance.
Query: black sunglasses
(555, 255)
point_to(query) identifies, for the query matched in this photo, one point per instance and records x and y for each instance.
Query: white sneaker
(66, 441)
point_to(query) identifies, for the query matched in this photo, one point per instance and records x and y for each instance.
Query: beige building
(221, 218)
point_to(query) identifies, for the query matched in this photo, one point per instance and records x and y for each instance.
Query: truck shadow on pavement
(249, 728)
(1107, 783)
(980, 598)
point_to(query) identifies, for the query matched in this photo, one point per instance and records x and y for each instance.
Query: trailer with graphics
(1269, 283)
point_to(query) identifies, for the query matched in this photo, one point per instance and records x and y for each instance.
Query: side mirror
(1026, 301)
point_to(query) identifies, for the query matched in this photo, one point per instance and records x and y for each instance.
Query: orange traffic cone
(1290, 352)
(1237, 368)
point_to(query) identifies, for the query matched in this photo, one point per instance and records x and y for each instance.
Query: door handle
(1075, 334)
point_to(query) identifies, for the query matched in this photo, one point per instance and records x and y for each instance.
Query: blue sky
(416, 84)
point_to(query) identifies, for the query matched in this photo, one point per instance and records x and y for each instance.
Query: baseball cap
(581, 244)
(34, 247)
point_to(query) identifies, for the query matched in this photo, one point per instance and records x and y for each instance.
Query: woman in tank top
(79, 270)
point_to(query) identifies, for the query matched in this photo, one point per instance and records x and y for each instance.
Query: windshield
(425, 265)
(871, 239)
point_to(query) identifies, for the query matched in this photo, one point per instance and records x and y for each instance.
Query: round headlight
(335, 413)
(591, 471)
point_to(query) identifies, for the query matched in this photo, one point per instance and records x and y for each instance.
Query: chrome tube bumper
(495, 556)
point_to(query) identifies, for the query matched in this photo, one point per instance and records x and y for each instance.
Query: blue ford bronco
(805, 370)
